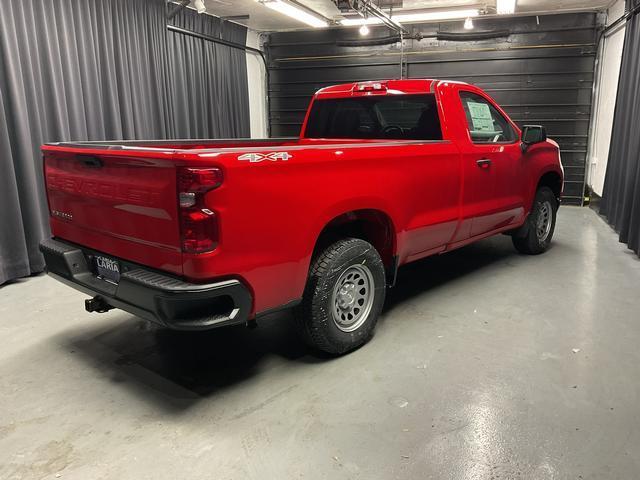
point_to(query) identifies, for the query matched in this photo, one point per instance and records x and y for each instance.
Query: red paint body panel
(271, 212)
(127, 203)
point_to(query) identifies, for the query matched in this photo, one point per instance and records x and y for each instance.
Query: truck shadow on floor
(178, 369)
(426, 276)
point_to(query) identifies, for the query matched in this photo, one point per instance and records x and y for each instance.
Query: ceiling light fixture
(364, 30)
(468, 24)
(505, 7)
(296, 11)
(413, 17)
(199, 6)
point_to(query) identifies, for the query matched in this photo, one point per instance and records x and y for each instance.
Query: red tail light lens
(199, 180)
(198, 224)
(199, 231)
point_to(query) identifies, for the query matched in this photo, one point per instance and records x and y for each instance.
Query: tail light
(198, 224)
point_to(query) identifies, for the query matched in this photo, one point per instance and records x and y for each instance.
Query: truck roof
(417, 85)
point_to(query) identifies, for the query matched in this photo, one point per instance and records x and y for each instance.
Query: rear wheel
(537, 232)
(343, 297)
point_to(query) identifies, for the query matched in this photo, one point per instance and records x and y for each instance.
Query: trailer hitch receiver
(97, 304)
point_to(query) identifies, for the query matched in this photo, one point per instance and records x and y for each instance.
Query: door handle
(483, 163)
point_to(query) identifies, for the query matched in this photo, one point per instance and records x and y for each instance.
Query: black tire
(315, 319)
(529, 239)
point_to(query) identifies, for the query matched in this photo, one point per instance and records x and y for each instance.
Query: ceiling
(258, 17)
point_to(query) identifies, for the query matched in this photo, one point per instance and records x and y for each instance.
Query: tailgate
(125, 206)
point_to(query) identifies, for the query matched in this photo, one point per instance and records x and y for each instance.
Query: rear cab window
(484, 123)
(398, 117)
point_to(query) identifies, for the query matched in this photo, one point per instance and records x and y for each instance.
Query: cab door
(491, 155)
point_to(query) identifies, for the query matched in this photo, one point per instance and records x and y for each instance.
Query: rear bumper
(149, 294)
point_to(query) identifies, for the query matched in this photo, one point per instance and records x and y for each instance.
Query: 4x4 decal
(259, 157)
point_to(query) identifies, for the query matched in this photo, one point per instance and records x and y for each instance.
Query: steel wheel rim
(543, 226)
(352, 298)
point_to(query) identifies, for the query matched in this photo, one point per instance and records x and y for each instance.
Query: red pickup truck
(200, 234)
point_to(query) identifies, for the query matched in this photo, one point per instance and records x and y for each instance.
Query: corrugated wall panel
(542, 72)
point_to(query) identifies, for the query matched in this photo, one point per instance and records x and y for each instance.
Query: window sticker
(480, 116)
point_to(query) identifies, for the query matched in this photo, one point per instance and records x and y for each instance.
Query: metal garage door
(540, 71)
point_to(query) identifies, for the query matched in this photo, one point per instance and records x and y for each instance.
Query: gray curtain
(621, 195)
(208, 101)
(101, 70)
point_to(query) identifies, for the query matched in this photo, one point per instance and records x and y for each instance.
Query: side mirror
(532, 134)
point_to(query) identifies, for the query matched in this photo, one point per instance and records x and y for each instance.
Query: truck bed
(197, 144)
(226, 144)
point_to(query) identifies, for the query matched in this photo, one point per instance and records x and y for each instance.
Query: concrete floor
(471, 375)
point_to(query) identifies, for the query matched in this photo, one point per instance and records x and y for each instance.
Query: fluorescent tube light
(505, 7)
(297, 12)
(413, 17)
(199, 6)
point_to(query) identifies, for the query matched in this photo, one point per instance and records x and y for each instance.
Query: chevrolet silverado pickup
(198, 234)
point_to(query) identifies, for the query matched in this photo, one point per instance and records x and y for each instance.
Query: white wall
(607, 85)
(256, 76)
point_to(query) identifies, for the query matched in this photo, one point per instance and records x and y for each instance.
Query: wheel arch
(372, 225)
(553, 180)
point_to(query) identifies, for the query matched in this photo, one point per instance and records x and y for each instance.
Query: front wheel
(343, 297)
(540, 224)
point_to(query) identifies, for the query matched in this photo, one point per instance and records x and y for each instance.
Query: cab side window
(484, 122)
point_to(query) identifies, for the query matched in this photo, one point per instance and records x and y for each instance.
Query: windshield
(401, 117)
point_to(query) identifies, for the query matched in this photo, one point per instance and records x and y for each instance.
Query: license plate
(107, 268)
